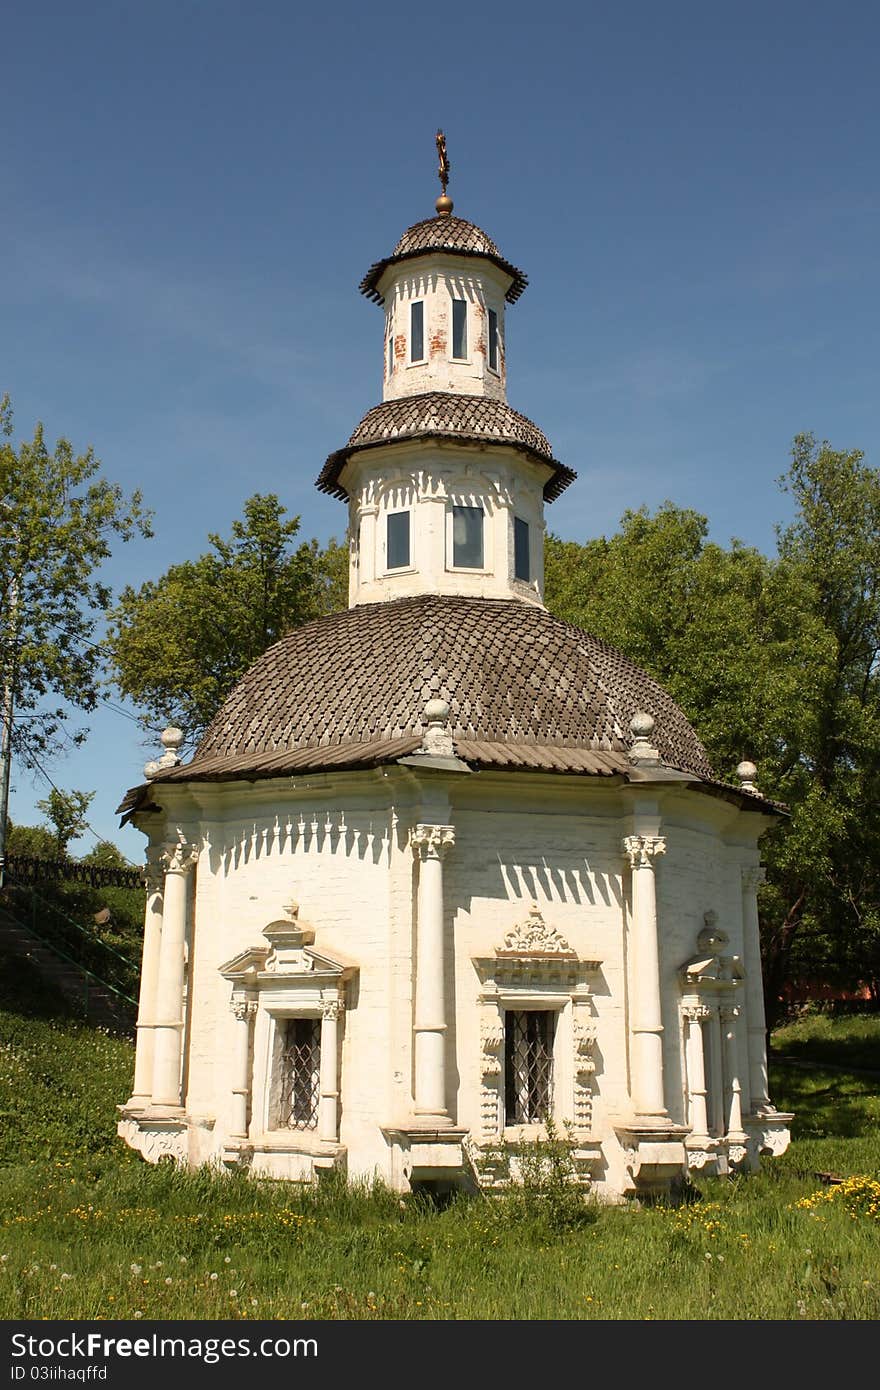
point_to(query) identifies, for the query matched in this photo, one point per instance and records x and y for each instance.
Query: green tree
(177, 645)
(58, 518)
(66, 813)
(776, 659)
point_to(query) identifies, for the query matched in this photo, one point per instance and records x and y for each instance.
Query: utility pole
(6, 718)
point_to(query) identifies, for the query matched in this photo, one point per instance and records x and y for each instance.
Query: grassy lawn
(87, 1230)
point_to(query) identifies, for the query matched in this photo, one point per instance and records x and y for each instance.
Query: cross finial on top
(444, 202)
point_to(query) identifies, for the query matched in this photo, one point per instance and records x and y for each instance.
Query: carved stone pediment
(535, 937)
(535, 954)
(289, 953)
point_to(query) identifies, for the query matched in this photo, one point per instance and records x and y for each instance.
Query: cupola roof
(524, 690)
(436, 235)
(444, 415)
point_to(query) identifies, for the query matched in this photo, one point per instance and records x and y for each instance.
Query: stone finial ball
(746, 771)
(436, 711)
(642, 724)
(171, 738)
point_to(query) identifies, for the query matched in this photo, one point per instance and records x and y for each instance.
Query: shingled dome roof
(447, 415)
(524, 689)
(443, 234)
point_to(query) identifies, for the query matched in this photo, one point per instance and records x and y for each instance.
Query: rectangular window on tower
(521, 565)
(467, 538)
(390, 353)
(459, 328)
(528, 1065)
(417, 331)
(300, 1073)
(493, 340)
(397, 555)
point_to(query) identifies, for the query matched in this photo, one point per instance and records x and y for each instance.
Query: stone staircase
(89, 995)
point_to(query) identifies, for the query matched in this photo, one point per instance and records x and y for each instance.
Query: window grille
(528, 1065)
(300, 1073)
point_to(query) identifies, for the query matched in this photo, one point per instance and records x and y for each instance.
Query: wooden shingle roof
(524, 690)
(438, 234)
(447, 415)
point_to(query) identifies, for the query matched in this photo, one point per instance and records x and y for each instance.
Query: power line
(35, 762)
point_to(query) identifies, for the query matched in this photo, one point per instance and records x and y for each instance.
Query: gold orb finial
(444, 202)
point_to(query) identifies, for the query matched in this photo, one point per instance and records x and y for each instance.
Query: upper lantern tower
(445, 482)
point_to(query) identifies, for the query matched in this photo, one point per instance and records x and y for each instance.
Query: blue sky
(194, 188)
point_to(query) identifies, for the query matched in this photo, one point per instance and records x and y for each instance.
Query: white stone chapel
(444, 866)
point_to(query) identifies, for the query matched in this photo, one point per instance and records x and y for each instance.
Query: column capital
(641, 850)
(697, 1013)
(243, 1008)
(153, 871)
(178, 857)
(332, 1009)
(431, 841)
(753, 876)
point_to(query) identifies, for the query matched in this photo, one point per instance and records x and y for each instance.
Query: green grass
(87, 1230)
(848, 1040)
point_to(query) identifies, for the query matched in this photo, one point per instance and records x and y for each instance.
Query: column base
(154, 1135)
(427, 1149)
(656, 1158)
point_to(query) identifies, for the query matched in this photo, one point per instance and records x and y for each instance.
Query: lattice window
(528, 1065)
(300, 1073)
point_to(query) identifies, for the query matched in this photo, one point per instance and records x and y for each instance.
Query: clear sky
(193, 189)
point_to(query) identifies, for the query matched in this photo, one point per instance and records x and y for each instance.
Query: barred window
(300, 1073)
(528, 1065)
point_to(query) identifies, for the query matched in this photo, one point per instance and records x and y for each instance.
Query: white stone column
(716, 1074)
(243, 1010)
(154, 878)
(757, 1097)
(368, 542)
(328, 1112)
(729, 1015)
(430, 844)
(178, 860)
(694, 1015)
(646, 1016)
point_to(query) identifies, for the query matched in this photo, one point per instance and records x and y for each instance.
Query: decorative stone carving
(491, 1041)
(737, 1154)
(534, 936)
(437, 738)
(432, 841)
(698, 1012)
(699, 1158)
(775, 1140)
(332, 1009)
(153, 871)
(179, 858)
(584, 1030)
(641, 850)
(243, 1009)
(642, 751)
(753, 877)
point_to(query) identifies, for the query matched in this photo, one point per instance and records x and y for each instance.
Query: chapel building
(444, 866)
